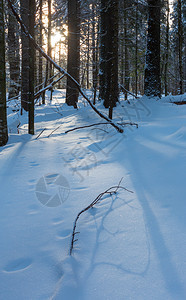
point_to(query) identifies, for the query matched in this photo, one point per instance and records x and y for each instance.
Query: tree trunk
(31, 67)
(25, 57)
(95, 26)
(13, 55)
(73, 61)
(41, 42)
(109, 54)
(126, 54)
(167, 50)
(152, 84)
(3, 115)
(180, 46)
(184, 60)
(136, 51)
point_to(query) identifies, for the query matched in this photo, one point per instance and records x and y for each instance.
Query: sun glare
(56, 38)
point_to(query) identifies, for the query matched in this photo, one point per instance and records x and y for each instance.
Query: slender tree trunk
(41, 42)
(49, 52)
(152, 84)
(167, 50)
(48, 69)
(88, 54)
(180, 46)
(126, 54)
(136, 51)
(31, 67)
(3, 115)
(95, 44)
(25, 57)
(73, 61)
(13, 55)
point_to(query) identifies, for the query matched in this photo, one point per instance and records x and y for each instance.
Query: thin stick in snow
(112, 190)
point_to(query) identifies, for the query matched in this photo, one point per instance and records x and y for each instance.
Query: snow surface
(130, 245)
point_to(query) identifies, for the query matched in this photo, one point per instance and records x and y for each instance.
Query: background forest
(106, 46)
(93, 156)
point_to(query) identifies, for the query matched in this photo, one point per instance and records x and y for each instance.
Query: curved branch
(109, 191)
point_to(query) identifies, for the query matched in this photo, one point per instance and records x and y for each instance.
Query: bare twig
(54, 131)
(40, 133)
(86, 126)
(37, 47)
(112, 190)
(103, 123)
(128, 123)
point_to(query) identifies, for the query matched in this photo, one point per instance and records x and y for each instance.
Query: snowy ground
(130, 245)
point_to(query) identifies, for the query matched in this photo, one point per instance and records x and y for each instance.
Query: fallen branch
(40, 133)
(86, 126)
(110, 191)
(103, 123)
(48, 87)
(124, 89)
(128, 123)
(41, 51)
(54, 131)
(41, 84)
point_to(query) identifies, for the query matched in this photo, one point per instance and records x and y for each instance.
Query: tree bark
(126, 54)
(180, 46)
(73, 61)
(109, 54)
(13, 55)
(3, 114)
(152, 84)
(31, 67)
(25, 57)
(41, 42)
(167, 49)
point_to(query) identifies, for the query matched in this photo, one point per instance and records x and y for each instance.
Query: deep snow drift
(130, 245)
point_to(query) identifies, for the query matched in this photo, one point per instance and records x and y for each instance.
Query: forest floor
(129, 245)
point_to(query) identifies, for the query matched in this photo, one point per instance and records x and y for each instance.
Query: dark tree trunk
(109, 54)
(136, 51)
(31, 66)
(40, 43)
(3, 115)
(184, 50)
(126, 52)
(48, 70)
(25, 57)
(167, 49)
(73, 61)
(13, 55)
(180, 45)
(94, 52)
(152, 84)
